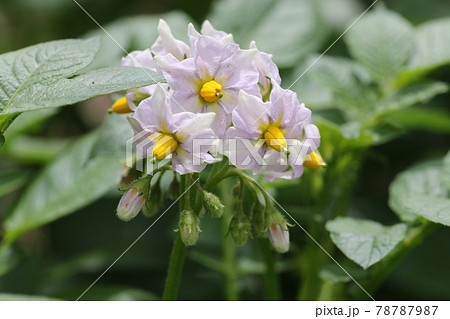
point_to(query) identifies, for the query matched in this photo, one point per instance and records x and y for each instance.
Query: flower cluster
(219, 100)
(220, 95)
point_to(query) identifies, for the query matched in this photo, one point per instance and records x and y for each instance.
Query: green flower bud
(153, 202)
(240, 228)
(174, 188)
(212, 204)
(189, 227)
(278, 231)
(130, 204)
(258, 218)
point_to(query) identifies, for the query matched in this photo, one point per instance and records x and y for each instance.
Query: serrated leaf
(75, 179)
(410, 95)
(82, 87)
(295, 27)
(42, 64)
(382, 41)
(432, 50)
(421, 191)
(363, 241)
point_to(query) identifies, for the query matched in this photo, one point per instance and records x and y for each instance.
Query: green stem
(270, 275)
(175, 269)
(339, 182)
(228, 248)
(178, 254)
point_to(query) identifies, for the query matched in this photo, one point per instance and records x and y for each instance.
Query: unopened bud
(212, 204)
(278, 231)
(314, 160)
(130, 204)
(258, 218)
(189, 227)
(174, 188)
(153, 202)
(240, 228)
(121, 106)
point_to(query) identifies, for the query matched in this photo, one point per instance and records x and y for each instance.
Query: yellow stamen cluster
(314, 160)
(211, 91)
(275, 139)
(165, 146)
(121, 106)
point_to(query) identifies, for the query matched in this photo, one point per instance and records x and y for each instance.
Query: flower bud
(121, 106)
(126, 176)
(212, 204)
(314, 160)
(278, 231)
(189, 227)
(258, 218)
(153, 202)
(240, 228)
(130, 204)
(174, 188)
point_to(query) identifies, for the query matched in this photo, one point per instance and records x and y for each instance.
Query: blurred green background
(61, 259)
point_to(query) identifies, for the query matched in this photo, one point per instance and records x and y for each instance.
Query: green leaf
(33, 150)
(421, 191)
(435, 209)
(427, 119)
(336, 275)
(363, 241)
(432, 50)
(382, 41)
(75, 179)
(346, 79)
(42, 64)
(295, 27)
(82, 87)
(12, 179)
(134, 33)
(410, 95)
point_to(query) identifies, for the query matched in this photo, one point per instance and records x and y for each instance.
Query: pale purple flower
(208, 30)
(166, 43)
(210, 81)
(141, 59)
(272, 138)
(267, 70)
(174, 135)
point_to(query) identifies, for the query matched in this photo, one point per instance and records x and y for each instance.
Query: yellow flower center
(275, 139)
(211, 91)
(314, 160)
(165, 146)
(121, 106)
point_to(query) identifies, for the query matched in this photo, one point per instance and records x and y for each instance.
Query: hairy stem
(228, 248)
(178, 254)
